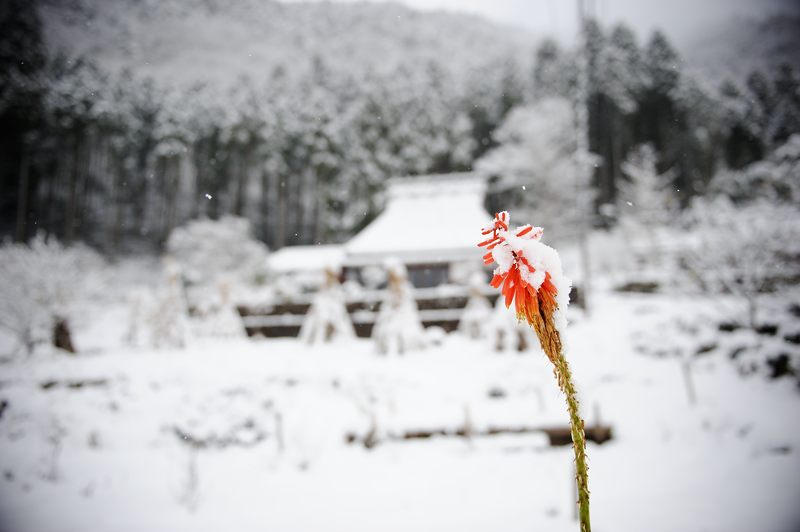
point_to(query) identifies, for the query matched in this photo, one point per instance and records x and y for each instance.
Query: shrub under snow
(39, 283)
(212, 250)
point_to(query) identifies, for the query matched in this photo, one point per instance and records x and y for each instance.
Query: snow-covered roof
(434, 218)
(305, 258)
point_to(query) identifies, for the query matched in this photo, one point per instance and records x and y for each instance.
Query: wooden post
(279, 431)
(687, 380)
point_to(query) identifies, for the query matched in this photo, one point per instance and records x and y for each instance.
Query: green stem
(564, 377)
(550, 338)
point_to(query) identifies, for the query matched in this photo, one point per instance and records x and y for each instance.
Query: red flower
(529, 272)
(521, 283)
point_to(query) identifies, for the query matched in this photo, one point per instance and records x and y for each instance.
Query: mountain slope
(217, 42)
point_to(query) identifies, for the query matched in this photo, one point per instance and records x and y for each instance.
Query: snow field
(106, 456)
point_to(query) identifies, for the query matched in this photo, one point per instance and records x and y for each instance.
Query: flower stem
(578, 440)
(550, 339)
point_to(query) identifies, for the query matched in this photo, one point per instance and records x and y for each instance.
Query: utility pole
(583, 175)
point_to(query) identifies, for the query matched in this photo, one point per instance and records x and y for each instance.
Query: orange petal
(525, 230)
(506, 290)
(548, 286)
(520, 299)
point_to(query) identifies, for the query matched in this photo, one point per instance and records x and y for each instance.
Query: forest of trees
(118, 160)
(642, 94)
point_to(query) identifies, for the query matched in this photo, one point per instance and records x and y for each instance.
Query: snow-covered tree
(537, 165)
(327, 318)
(39, 284)
(398, 328)
(775, 178)
(550, 70)
(646, 198)
(744, 250)
(647, 209)
(620, 69)
(785, 120)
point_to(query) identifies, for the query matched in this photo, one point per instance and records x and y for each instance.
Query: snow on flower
(528, 272)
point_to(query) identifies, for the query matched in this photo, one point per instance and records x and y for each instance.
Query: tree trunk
(119, 205)
(72, 196)
(264, 209)
(22, 197)
(280, 225)
(50, 206)
(296, 207)
(62, 338)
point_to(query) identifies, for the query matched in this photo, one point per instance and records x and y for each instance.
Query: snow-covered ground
(250, 434)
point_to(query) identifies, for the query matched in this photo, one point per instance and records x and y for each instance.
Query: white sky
(681, 19)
